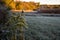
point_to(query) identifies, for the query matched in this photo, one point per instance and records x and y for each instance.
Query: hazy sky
(46, 1)
(57, 2)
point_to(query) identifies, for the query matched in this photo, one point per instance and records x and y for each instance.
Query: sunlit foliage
(22, 5)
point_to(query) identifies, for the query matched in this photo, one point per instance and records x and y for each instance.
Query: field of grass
(42, 28)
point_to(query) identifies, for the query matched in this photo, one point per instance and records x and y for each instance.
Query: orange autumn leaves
(22, 5)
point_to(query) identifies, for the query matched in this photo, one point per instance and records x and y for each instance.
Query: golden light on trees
(22, 5)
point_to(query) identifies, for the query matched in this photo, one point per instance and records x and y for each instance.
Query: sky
(52, 2)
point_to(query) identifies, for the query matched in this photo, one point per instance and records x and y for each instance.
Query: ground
(42, 28)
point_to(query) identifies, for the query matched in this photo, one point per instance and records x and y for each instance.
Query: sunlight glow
(44, 1)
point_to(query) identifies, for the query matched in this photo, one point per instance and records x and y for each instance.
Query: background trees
(22, 5)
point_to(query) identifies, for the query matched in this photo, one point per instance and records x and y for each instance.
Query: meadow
(42, 28)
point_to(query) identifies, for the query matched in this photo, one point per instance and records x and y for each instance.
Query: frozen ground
(42, 28)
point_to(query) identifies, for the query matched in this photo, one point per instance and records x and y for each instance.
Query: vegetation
(43, 28)
(12, 25)
(16, 26)
(22, 5)
(3, 19)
